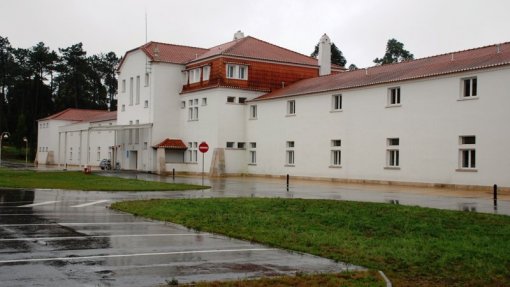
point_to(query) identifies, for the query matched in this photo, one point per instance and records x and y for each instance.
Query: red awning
(171, 144)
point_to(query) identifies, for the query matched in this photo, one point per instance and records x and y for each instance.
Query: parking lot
(70, 238)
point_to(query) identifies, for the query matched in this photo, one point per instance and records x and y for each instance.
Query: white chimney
(238, 35)
(324, 55)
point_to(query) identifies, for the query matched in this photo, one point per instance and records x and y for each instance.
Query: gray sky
(359, 28)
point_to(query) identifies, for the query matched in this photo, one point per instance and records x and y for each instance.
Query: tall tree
(7, 65)
(395, 53)
(336, 55)
(105, 66)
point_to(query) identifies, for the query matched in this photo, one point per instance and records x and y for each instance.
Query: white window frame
(137, 99)
(467, 153)
(252, 160)
(192, 109)
(123, 85)
(336, 102)
(336, 153)
(204, 101)
(290, 156)
(194, 75)
(253, 112)
(469, 88)
(236, 72)
(98, 153)
(394, 97)
(192, 152)
(146, 104)
(291, 107)
(206, 73)
(393, 153)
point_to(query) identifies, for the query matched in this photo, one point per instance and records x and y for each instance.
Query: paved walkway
(454, 199)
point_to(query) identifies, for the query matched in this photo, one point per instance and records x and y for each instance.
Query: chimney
(324, 55)
(238, 35)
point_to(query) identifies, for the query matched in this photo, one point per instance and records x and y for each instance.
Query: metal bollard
(173, 173)
(288, 182)
(495, 195)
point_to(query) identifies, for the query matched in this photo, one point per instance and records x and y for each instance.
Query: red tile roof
(249, 47)
(108, 116)
(77, 115)
(171, 144)
(468, 60)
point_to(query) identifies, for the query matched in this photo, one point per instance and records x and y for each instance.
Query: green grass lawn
(77, 180)
(414, 246)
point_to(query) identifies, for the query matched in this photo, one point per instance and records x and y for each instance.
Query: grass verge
(414, 246)
(347, 279)
(79, 181)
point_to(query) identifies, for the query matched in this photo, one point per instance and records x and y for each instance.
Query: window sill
(392, 167)
(336, 111)
(290, 115)
(192, 120)
(394, 106)
(467, 98)
(252, 164)
(289, 165)
(467, 170)
(335, 166)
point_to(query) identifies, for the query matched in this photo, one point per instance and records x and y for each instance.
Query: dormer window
(239, 72)
(194, 76)
(206, 71)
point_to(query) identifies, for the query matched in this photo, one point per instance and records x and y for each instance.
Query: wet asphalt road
(70, 238)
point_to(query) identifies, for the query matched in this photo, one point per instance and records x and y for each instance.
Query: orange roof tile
(473, 59)
(77, 115)
(108, 116)
(253, 48)
(171, 144)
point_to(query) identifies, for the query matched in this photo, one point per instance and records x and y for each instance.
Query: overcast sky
(359, 28)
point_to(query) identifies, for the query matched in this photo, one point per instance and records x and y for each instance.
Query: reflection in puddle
(467, 206)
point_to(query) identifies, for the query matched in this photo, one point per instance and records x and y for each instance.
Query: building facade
(268, 111)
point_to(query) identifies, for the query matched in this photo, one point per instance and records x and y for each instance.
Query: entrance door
(133, 160)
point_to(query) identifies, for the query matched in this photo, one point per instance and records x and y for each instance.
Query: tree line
(37, 82)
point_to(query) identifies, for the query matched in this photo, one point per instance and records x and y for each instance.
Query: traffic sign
(203, 147)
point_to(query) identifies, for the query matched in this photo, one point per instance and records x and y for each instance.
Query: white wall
(47, 139)
(429, 122)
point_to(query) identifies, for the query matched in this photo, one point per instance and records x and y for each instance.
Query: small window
(195, 102)
(291, 107)
(336, 143)
(467, 152)
(289, 153)
(242, 100)
(470, 87)
(393, 153)
(290, 144)
(137, 101)
(253, 153)
(231, 99)
(204, 101)
(241, 145)
(253, 111)
(146, 104)
(206, 70)
(194, 76)
(242, 72)
(394, 96)
(336, 153)
(239, 72)
(336, 102)
(146, 82)
(123, 108)
(183, 104)
(145, 145)
(230, 144)
(230, 71)
(124, 86)
(253, 145)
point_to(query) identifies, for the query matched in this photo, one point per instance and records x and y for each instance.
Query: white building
(264, 110)
(76, 137)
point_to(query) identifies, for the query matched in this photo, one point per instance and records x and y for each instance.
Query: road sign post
(203, 148)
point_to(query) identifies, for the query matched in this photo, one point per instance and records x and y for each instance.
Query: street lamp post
(26, 151)
(4, 135)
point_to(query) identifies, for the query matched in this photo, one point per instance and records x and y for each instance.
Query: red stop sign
(203, 147)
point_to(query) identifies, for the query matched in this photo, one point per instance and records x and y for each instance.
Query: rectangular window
(336, 102)
(146, 84)
(394, 96)
(231, 99)
(145, 145)
(240, 145)
(204, 101)
(239, 72)
(206, 70)
(291, 107)
(467, 152)
(253, 112)
(393, 152)
(192, 152)
(183, 104)
(123, 108)
(336, 153)
(230, 145)
(131, 91)
(193, 110)
(98, 153)
(470, 87)
(194, 75)
(146, 104)
(137, 102)
(137, 133)
(123, 86)
(242, 100)
(289, 158)
(252, 153)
